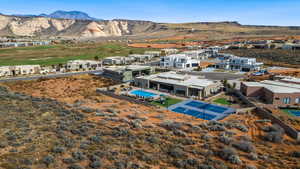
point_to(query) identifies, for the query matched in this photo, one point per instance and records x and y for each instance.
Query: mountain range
(75, 24)
(63, 15)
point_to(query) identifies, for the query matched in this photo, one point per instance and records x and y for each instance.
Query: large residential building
(197, 54)
(285, 92)
(76, 65)
(179, 84)
(153, 53)
(23, 44)
(240, 64)
(170, 51)
(118, 60)
(126, 73)
(141, 57)
(179, 61)
(19, 70)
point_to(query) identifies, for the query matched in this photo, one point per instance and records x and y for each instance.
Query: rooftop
(180, 79)
(276, 86)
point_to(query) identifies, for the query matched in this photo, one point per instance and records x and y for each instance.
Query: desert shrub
(58, 149)
(225, 140)
(179, 133)
(205, 166)
(230, 155)
(137, 123)
(253, 156)
(176, 152)
(295, 154)
(274, 136)
(79, 156)
(170, 125)
(153, 139)
(244, 146)
(250, 167)
(48, 160)
(93, 157)
(206, 137)
(216, 127)
(95, 164)
(95, 139)
(75, 166)
(241, 127)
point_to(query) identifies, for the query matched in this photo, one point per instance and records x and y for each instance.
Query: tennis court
(202, 110)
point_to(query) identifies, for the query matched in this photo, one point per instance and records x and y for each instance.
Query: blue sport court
(202, 110)
(295, 112)
(141, 93)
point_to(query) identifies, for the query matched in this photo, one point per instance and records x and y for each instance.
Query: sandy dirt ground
(82, 90)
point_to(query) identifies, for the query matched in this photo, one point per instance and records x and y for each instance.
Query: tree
(96, 58)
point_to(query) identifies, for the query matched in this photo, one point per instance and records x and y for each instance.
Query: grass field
(169, 102)
(222, 101)
(55, 54)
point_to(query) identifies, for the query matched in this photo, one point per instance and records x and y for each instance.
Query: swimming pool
(142, 93)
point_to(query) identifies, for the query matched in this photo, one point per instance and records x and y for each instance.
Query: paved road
(48, 76)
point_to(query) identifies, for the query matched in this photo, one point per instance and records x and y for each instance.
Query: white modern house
(118, 60)
(19, 70)
(197, 54)
(170, 51)
(179, 84)
(76, 65)
(141, 57)
(179, 61)
(153, 53)
(240, 64)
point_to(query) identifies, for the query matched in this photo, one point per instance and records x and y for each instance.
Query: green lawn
(222, 101)
(62, 53)
(169, 101)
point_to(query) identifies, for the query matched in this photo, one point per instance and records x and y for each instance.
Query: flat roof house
(76, 65)
(240, 64)
(126, 73)
(179, 84)
(170, 51)
(197, 54)
(118, 60)
(179, 61)
(153, 53)
(279, 93)
(141, 57)
(19, 70)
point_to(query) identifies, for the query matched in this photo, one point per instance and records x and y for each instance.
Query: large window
(297, 100)
(287, 100)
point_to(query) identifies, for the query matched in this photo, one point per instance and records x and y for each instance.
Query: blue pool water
(142, 93)
(295, 112)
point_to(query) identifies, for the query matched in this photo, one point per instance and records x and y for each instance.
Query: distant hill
(70, 15)
(77, 15)
(75, 24)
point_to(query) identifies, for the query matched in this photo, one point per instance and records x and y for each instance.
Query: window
(287, 100)
(297, 100)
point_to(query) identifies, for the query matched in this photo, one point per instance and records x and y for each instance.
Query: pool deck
(157, 92)
(218, 116)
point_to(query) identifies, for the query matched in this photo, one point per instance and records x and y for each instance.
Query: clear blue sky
(254, 12)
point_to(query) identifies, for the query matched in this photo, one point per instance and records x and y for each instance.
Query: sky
(250, 12)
